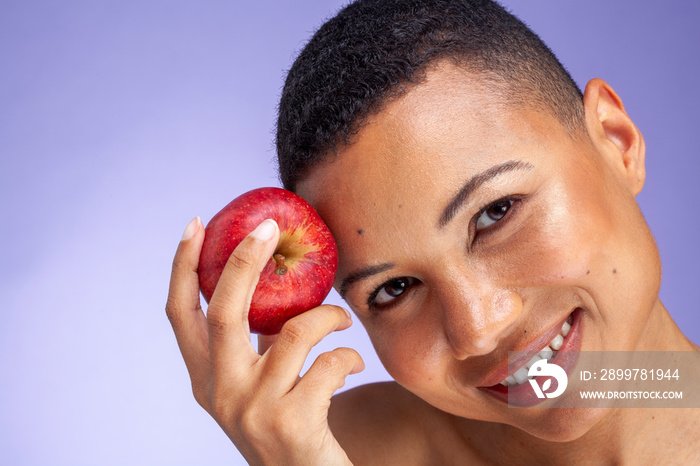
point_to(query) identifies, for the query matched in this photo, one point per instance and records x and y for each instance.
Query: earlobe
(613, 132)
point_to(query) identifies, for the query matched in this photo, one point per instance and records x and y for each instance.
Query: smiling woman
(469, 271)
(482, 206)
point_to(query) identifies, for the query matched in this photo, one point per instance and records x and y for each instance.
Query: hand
(270, 414)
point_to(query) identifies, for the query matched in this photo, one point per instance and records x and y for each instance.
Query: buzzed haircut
(373, 51)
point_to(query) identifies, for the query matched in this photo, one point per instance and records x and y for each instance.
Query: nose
(476, 317)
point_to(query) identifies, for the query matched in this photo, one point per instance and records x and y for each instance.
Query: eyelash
(513, 202)
(371, 300)
(373, 306)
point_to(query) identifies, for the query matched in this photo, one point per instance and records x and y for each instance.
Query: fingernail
(265, 231)
(191, 229)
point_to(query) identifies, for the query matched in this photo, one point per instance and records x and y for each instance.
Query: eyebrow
(474, 182)
(448, 214)
(361, 274)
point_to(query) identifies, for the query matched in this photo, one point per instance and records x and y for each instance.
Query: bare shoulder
(377, 423)
(383, 423)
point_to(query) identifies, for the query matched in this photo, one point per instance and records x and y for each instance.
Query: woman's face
(467, 229)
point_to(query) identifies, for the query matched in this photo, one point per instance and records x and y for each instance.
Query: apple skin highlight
(306, 249)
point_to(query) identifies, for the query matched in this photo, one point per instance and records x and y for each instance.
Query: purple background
(122, 120)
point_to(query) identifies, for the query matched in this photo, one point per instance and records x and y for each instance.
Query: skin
(573, 238)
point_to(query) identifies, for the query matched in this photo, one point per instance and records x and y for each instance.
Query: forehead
(410, 158)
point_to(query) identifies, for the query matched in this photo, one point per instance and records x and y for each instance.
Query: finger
(285, 359)
(227, 314)
(327, 374)
(183, 308)
(265, 342)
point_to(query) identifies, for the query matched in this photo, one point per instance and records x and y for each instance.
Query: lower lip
(522, 395)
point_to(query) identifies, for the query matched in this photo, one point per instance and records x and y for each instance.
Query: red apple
(296, 278)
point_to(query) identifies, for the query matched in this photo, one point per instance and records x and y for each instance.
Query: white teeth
(532, 361)
(548, 352)
(565, 329)
(521, 375)
(556, 342)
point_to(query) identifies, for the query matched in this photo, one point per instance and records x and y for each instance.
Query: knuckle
(252, 422)
(330, 362)
(201, 396)
(295, 332)
(260, 422)
(178, 264)
(218, 326)
(247, 422)
(242, 258)
(219, 323)
(172, 311)
(285, 425)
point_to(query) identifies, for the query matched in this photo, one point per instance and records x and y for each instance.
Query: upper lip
(523, 355)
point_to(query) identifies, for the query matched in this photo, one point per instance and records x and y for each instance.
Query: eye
(493, 213)
(387, 293)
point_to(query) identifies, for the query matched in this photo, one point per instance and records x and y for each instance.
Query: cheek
(560, 243)
(410, 351)
(591, 239)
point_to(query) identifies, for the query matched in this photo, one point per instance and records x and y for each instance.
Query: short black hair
(374, 50)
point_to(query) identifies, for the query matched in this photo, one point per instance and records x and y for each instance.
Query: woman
(482, 205)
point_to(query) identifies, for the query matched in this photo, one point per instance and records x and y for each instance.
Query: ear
(614, 134)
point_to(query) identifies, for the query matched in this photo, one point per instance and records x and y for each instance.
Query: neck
(662, 334)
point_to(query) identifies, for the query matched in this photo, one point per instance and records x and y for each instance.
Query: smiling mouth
(562, 349)
(549, 352)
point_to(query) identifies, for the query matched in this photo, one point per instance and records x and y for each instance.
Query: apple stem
(281, 268)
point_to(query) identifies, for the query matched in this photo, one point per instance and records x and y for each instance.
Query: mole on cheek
(360, 232)
(614, 270)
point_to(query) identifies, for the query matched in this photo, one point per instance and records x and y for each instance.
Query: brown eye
(391, 290)
(493, 213)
